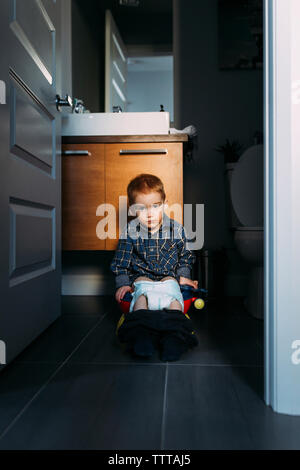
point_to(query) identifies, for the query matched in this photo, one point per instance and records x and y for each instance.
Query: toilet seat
(247, 188)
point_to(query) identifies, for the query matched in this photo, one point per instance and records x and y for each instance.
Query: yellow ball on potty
(199, 304)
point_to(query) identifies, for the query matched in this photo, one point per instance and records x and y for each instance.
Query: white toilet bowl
(247, 198)
(249, 242)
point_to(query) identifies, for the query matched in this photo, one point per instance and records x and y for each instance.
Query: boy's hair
(144, 183)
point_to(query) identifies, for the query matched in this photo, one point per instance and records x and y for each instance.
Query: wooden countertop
(93, 139)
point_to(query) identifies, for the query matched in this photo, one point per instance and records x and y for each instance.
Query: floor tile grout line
(163, 424)
(242, 413)
(97, 363)
(216, 365)
(146, 363)
(38, 392)
(83, 315)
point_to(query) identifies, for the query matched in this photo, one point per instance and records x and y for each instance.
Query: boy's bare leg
(175, 304)
(141, 301)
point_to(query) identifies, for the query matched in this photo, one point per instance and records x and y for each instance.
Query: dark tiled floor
(76, 387)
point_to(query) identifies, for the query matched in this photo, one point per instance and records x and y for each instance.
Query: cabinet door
(122, 166)
(82, 192)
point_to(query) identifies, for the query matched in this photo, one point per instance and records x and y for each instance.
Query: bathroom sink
(116, 124)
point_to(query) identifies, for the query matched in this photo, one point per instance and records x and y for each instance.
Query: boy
(151, 263)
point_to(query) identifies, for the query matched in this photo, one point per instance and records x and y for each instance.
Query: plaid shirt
(140, 253)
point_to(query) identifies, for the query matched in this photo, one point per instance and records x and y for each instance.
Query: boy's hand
(189, 282)
(122, 291)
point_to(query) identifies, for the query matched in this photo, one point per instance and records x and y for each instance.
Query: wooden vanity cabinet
(83, 189)
(102, 175)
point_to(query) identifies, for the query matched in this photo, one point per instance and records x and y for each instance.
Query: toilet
(247, 200)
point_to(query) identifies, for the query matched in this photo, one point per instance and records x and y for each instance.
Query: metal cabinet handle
(76, 152)
(143, 151)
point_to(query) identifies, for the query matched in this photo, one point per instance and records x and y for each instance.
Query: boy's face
(149, 209)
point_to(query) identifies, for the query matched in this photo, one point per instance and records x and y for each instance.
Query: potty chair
(247, 199)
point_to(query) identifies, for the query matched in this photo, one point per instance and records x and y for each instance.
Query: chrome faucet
(117, 109)
(78, 106)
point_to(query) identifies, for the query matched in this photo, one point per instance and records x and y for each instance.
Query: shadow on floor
(76, 387)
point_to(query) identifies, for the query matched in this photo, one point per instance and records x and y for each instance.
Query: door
(30, 136)
(282, 196)
(115, 66)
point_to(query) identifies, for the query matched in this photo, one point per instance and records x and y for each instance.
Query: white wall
(150, 82)
(66, 47)
(146, 91)
(88, 58)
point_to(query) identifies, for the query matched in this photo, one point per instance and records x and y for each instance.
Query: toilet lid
(247, 187)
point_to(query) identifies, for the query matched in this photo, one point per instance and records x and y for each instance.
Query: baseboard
(87, 284)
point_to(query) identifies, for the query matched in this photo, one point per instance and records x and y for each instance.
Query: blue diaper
(159, 293)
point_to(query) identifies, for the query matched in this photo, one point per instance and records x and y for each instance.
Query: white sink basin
(116, 124)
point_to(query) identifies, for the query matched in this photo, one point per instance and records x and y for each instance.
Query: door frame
(282, 222)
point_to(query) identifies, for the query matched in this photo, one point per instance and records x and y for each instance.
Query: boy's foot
(172, 348)
(143, 346)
